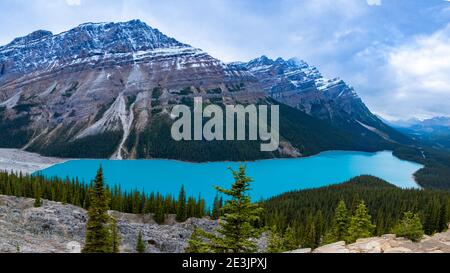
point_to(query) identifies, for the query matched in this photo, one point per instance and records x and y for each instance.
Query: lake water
(272, 177)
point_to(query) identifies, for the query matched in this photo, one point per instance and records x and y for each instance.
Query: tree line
(309, 214)
(74, 192)
(364, 206)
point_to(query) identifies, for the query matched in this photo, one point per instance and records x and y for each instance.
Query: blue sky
(396, 53)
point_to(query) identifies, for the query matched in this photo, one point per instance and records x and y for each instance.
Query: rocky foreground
(58, 228)
(438, 243)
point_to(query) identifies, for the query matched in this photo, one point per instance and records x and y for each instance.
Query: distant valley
(434, 131)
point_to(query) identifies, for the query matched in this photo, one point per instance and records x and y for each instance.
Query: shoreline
(15, 160)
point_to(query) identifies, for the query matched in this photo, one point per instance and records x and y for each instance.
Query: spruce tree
(237, 227)
(410, 227)
(115, 235)
(360, 224)
(159, 215)
(275, 244)
(215, 215)
(339, 226)
(310, 234)
(197, 242)
(140, 245)
(290, 241)
(37, 198)
(181, 206)
(98, 233)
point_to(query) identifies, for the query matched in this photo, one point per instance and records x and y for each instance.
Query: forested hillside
(436, 174)
(310, 212)
(76, 193)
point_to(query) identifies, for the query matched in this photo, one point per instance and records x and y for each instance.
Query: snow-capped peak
(86, 43)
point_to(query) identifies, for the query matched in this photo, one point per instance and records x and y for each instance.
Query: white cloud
(374, 2)
(420, 73)
(73, 2)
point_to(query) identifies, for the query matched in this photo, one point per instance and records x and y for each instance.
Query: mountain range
(434, 132)
(105, 90)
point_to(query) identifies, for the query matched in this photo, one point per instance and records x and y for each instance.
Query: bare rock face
(50, 228)
(338, 247)
(58, 228)
(438, 243)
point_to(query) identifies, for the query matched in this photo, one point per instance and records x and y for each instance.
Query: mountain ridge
(110, 86)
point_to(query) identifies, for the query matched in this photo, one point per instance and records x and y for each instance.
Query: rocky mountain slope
(297, 84)
(106, 90)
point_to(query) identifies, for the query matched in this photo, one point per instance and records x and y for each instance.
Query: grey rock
(59, 228)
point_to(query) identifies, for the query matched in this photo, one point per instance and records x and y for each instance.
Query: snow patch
(12, 102)
(116, 113)
(376, 131)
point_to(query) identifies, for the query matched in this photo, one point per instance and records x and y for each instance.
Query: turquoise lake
(271, 177)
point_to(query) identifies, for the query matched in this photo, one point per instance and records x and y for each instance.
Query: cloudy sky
(396, 53)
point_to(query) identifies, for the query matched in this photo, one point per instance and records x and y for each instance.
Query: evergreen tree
(98, 233)
(339, 228)
(160, 215)
(115, 235)
(290, 241)
(275, 244)
(240, 215)
(197, 243)
(191, 207)
(310, 237)
(360, 224)
(181, 206)
(140, 245)
(410, 227)
(217, 206)
(37, 198)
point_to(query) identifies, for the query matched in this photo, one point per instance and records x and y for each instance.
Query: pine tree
(160, 215)
(191, 207)
(140, 245)
(181, 206)
(290, 241)
(275, 244)
(197, 243)
(98, 233)
(200, 209)
(339, 226)
(37, 198)
(410, 227)
(360, 224)
(215, 215)
(310, 236)
(115, 235)
(238, 225)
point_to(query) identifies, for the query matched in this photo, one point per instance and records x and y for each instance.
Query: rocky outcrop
(58, 228)
(438, 243)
